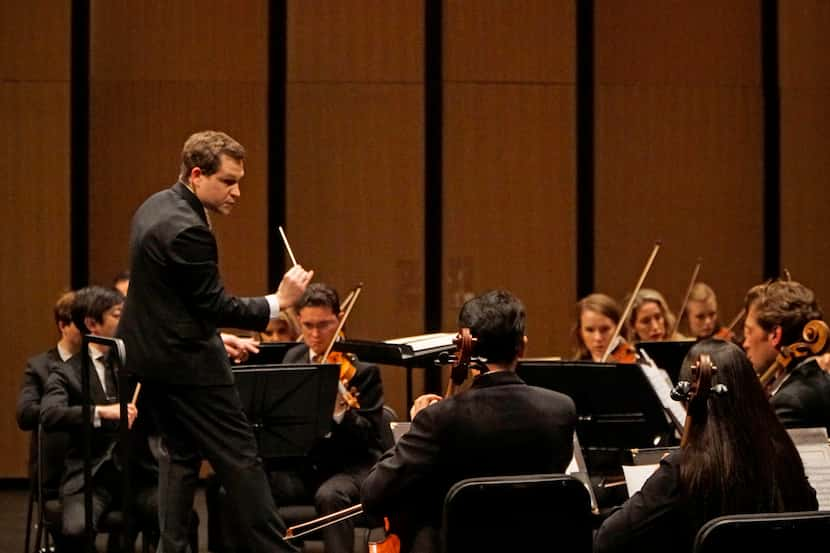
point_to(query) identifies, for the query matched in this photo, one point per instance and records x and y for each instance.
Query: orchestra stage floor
(13, 502)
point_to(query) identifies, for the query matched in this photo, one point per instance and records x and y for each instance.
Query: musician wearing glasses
(338, 463)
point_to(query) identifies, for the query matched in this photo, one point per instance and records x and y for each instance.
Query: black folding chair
(537, 512)
(768, 532)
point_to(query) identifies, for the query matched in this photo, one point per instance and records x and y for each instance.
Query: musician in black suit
(338, 463)
(96, 310)
(176, 303)
(500, 426)
(777, 313)
(37, 372)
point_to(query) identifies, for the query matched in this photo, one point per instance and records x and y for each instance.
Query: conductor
(170, 324)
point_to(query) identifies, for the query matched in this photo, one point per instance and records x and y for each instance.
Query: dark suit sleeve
(56, 413)
(402, 470)
(28, 401)
(195, 272)
(789, 409)
(632, 527)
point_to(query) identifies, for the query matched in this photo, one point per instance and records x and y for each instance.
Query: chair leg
(29, 510)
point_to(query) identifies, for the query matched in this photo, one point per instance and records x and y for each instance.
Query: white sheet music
(814, 450)
(636, 476)
(660, 381)
(425, 341)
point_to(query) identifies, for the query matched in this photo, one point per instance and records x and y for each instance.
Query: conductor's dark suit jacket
(177, 300)
(500, 426)
(803, 400)
(356, 441)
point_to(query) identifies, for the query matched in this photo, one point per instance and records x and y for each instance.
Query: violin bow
(345, 316)
(737, 318)
(676, 324)
(627, 312)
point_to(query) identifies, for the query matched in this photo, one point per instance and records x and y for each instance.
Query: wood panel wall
(160, 71)
(355, 160)
(509, 160)
(679, 137)
(804, 72)
(678, 147)
(34, 116)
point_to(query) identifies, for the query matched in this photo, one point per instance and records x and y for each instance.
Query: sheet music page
(636, 476)
(425, 341)
(814, 450)
(660, 381)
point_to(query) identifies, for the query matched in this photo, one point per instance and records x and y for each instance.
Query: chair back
(387, 438)
(538, 512)
(768, 532)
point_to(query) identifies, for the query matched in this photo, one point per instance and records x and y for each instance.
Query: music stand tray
(288, 406)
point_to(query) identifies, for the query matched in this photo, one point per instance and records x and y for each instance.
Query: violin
(347, 372)
(345, 360)
(815, 335)
(624, 353)
(725, 334)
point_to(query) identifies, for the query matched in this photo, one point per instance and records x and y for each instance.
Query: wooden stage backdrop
(679, 151)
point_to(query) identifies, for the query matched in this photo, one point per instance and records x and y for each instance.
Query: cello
(695, 392)
(815, 335)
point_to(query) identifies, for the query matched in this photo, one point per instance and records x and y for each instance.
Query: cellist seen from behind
(500, 426)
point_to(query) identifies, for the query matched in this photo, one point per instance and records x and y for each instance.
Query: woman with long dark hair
(736, 458)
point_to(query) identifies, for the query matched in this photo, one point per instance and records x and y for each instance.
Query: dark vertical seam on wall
(584, 147)
(276, 106)
(772, 138)
(433, 164)
(79, 145)
(433, 176)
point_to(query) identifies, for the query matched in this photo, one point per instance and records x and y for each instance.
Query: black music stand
(617, 407)
(289, 406)
(667, 355)
(270, 353)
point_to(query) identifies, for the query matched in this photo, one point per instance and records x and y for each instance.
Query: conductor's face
(220, 191)
(319, 325)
